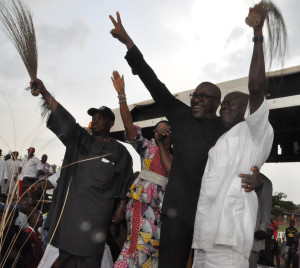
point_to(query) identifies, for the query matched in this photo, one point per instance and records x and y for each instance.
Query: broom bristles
(276, 29)
(17, 23)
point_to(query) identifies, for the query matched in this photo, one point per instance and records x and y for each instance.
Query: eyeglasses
(202, 96)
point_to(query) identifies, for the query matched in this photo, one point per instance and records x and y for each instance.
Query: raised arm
(257, 77)
(60, 121)
(167, 103)
(120, 33)
(52, 103)
(119, 85)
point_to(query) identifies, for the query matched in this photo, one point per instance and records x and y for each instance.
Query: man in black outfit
(291, 234)
(96, 169)
(195, 130)
(266, 256)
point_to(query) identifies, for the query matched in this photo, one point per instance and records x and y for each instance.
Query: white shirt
(21, 220)
(12, 168)
(226, 215)
(3, 171)
(30, 167)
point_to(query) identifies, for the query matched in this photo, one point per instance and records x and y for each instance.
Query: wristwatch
(257, 39)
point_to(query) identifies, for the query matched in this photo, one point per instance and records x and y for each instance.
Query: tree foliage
(279, 205)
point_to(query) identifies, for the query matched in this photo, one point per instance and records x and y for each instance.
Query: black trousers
(293, 259)
(68, 260)
(175, 242)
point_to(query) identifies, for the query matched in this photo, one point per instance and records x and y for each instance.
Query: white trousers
(51, 254)
(219, 257)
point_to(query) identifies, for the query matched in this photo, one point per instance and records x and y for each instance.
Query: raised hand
(118, 82)
(257, 15)
(37, 84)
(160, 134)
(119, 32)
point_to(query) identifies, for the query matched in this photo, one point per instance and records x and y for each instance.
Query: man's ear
(111, 124)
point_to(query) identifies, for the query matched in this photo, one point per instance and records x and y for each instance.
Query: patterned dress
(143, 208)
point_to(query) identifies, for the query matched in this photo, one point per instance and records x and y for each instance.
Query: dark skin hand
(251, 181)
(46, 95)
(260, 235)
(119, 213)
(119, 32)
(119, 85)
(164, 146)
(166, 131)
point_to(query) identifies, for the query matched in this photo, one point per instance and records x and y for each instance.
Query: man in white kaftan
(226, 215)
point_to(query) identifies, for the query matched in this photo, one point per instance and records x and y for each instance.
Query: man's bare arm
(257, 77)
(119, 85)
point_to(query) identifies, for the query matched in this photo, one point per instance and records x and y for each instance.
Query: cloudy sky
(185, 42)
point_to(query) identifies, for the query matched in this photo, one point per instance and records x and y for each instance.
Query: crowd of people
(194, 184)
(20, 208)
(18, 173)
(284, 250)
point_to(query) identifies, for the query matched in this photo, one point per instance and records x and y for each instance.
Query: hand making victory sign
(119, 32)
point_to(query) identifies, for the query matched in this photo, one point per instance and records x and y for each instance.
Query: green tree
(279, 205)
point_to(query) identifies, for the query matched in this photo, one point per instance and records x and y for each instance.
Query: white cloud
(59, 39)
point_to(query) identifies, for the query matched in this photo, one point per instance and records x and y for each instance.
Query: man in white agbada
(226, 215)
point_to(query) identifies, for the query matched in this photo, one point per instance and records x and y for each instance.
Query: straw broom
(18, 25)
(276, 30)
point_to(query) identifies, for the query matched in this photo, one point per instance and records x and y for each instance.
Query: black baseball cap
(103, 110)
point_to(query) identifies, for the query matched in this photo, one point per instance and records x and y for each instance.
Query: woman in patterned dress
(147, 191)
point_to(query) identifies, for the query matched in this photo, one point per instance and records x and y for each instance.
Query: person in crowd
(274, 225)
(3, 175)
(28, 168)
(3, 198)
(291, 234)
(13, 198)
(7, 156)
(35, 221)
(46, 168)
(195, 130)
(21, 220)
(97, 169)
(15, 250)
(147, 191)
(271, 251)
(12, 171)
